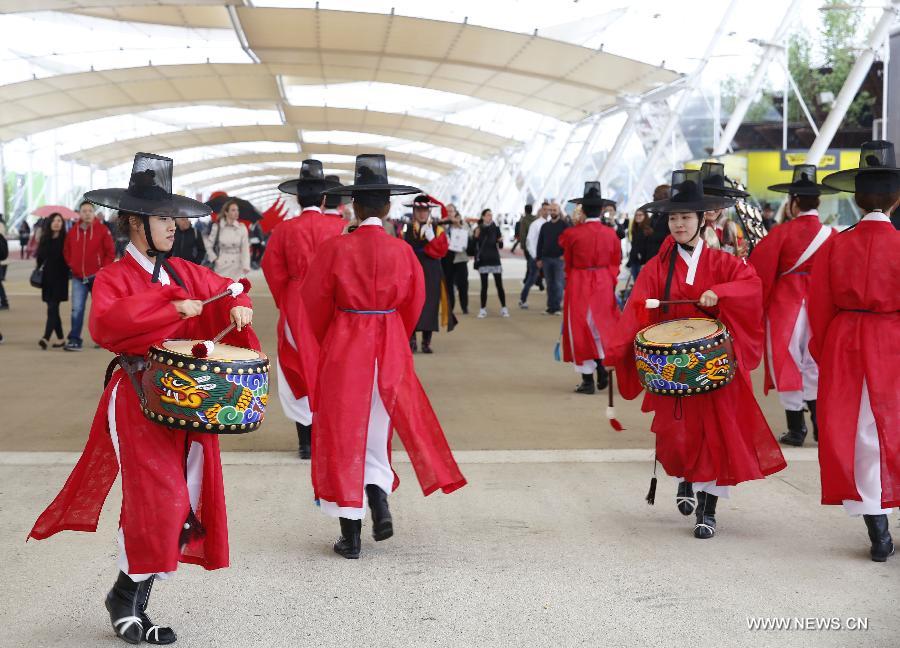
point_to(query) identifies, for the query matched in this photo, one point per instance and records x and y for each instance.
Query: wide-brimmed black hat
(592, 197)
(422, 201)
(149, 192)
(716, 183)
(371, 175)
(804, 183)
(686, 195)
(877, 171)
(334, 201)
(312, 180)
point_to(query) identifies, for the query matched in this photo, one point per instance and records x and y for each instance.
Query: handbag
(215, 248)
(37, 277)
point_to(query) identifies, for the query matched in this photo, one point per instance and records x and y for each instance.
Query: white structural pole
(618, 147)
(575, 171)
(668, 129)
(854, 81)
(770, 49)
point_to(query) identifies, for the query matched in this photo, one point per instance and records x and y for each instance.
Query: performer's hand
(743, 249)
(188, 307)
(709, 298)
(539, 263)
(241, 316)
(428, 232)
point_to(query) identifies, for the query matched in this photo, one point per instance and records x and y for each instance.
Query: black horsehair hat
(371, 175)
(592, 196)
(686, 195)
(149, 192)
(877, 171)
(421, 201)
(803, 183)
(716, 183)
(312, 180)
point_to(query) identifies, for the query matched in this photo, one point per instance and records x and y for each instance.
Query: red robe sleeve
(412, 307)
(274, 266)
(740, 308)
(821, 306)
(764, 259)
(438, 246)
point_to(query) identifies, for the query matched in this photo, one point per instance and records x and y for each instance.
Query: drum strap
(672, 257)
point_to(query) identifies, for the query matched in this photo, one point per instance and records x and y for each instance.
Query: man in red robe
(173, 502)
(289, 254)
(783, 261)
(363, 296)
(714, 439)
(854, 314)
(592, 254)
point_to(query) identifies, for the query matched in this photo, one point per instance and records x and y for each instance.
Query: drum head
(682, 330)
(221, 352)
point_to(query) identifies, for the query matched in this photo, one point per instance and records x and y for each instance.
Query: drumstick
(656, 303)
(233, 289)
(204, 348)
(611, 409)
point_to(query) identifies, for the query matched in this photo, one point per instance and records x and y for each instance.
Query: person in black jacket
(55, 283)
(549, 258)
(188, 243)
(488, 243)
(641, 231)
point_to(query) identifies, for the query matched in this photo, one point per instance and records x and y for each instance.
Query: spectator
(641, 231)
(768, 216)
(549, 256)
(228, 244)
(488, 243)
(4, 259)
(55, 283)
(522, 230)
(456, 264)
(24, 236)
(257, 244)
(533, 272)
(659, 223)
(719, 232)
(188, 243)
(88, 247)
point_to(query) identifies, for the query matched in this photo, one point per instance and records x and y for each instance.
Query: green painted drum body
(685, 357)
(225, 393)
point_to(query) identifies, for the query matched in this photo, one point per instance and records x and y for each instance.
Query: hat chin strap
(160, 258)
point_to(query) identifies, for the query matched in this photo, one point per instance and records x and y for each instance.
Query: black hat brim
(667, 206)
(392, 189)
(846, 180)
(727, 192)
(591, 202)
(306, 186)
(173, 206)
(802, 190)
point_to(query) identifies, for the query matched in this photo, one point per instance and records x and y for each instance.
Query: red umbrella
(46, 210)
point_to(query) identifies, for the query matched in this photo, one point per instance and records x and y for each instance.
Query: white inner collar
(877, 216)
(692, 261)
(147, 264)
(593, 219)
(373, 220)
(312, 208)
(811, 212)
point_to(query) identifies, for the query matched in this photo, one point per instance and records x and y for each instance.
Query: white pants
(708, 487)
(296, 409)
(377, 469)
(589, 366)
(194, 480)
(866, 463)
(798, 347)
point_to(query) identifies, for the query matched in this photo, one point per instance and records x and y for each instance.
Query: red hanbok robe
(289, 253)
(592, 253)
(368, 270)
(854, 313)
(720, 436)
(128, 315)
(784, 294)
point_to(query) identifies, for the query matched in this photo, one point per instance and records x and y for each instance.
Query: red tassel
(618, 427)
(199, 350)
(245, 283)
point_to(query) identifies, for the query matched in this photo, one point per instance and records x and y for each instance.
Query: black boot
(685, 499)
(587, 384)
(126, 604)
(705, 527)
(412, 343)
(382, 523)
(796, 429)
(602, 377)
(304, 434)
(348, 545)
(880, 535)
(811, 405)
(426, 342)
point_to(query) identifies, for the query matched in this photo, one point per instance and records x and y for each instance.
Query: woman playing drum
(173, 504)
(718, 438)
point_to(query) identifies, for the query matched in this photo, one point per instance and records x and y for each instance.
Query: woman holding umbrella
(228, 244)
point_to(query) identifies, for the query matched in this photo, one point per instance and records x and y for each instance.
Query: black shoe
(587, 384)
(811, 405)
(705, 528)
(304, 434)
(348, 545)
(602, 378)
(382, 522)
(412, 344)
(72, 346)
(426, 348)
(685, 499)
(43, 343)
(796, 429)
(880, 536)
(4, 306)
(127, 604)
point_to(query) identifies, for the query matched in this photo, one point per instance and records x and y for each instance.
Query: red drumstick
(203, 349)
(235, 289)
